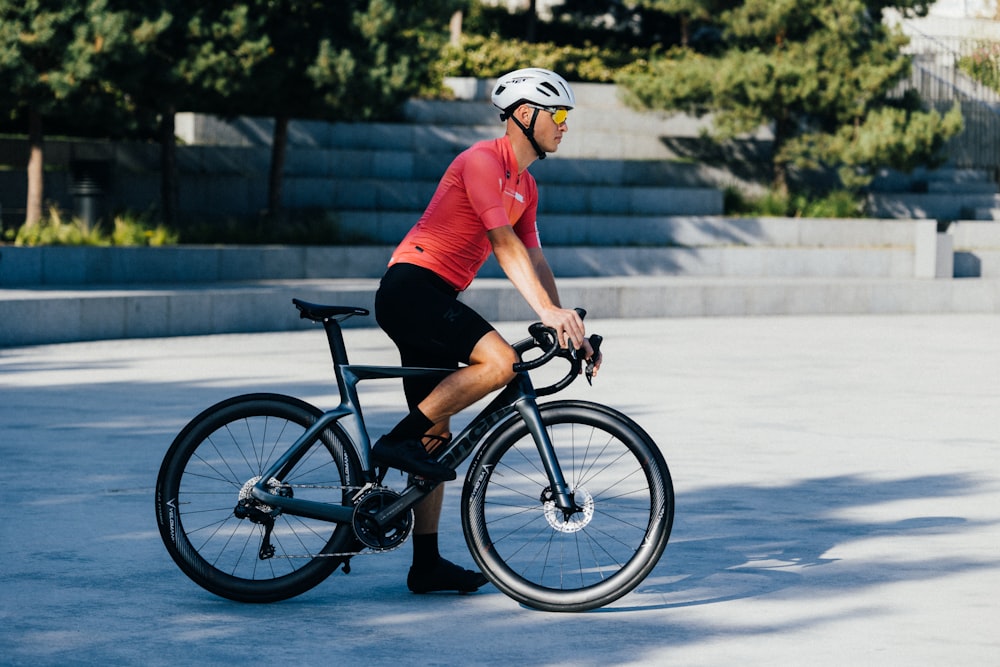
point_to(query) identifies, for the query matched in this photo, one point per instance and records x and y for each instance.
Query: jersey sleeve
(484, 179)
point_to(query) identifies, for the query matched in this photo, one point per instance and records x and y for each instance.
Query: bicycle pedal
(421, 483)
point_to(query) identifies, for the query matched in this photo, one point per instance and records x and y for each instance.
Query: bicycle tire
(527, 548)
(208, 466)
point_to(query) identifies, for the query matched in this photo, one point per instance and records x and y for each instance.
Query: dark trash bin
(89, 186)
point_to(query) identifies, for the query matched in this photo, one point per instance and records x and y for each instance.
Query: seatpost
(346, 380)
(335, 338)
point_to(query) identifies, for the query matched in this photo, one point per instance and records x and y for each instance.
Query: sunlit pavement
(838, 502)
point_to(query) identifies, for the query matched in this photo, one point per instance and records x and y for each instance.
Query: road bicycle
(566, 506)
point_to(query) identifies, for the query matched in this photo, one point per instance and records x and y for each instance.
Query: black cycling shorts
(422, 315)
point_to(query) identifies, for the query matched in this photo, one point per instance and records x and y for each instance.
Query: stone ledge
(42, 316)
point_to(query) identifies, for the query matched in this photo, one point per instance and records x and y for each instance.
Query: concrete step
(589, 95)
(987, 214)
(591, 136)
(576, 245)
(400, 165)
(725, 262)
(977, 247)
(42, 316)
(381, 195)
(582, 120)
(686, 231)
(601, 142)
(682, 249)
(889, 180)
(975, 235)
(962, 187)
(934, 206)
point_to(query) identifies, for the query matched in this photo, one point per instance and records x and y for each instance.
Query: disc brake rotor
(576, 521)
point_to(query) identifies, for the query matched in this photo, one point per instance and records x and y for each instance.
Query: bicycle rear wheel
(218, 535)
(539, 556)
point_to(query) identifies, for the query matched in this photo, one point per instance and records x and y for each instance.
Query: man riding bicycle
(486, 202)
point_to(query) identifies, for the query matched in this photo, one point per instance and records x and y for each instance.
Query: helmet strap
(529, 132)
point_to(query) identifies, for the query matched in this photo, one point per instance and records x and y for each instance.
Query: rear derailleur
(248, 507)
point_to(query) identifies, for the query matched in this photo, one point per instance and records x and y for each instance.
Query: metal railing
(941, 83)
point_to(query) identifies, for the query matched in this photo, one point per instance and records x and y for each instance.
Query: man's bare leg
(491, 366)
(426, 515)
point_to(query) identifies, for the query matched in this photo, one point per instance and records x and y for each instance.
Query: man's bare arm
(522, 268)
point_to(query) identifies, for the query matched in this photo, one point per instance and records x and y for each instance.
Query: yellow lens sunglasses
(558, 114)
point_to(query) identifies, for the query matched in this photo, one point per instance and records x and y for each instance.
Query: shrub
(488, 57)
(983, 64)
(127, 231)
(835, 204)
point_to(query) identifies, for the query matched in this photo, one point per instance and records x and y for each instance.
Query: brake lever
(595, 344)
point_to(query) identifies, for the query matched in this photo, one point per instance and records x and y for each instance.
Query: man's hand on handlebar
(568, 325)
(572, 333)
(592, 356)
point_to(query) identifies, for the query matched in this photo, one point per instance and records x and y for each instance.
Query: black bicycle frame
(519, 396)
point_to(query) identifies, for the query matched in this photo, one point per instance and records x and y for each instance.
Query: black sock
(413, 425)
(425, 551)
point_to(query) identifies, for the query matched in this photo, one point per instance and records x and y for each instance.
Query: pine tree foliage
(136, 61)
(820, 73)
(54, 58)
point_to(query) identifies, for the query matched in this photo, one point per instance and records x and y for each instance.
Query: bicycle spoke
(584, 556)
(216, 530)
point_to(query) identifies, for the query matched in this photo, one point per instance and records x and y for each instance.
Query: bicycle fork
(561, 494)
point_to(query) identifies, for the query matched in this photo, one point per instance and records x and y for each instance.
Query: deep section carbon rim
(218, 534)
(550, 559)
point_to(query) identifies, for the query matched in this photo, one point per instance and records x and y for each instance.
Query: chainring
(375, 536)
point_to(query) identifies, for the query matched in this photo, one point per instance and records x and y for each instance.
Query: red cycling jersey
(481, 190)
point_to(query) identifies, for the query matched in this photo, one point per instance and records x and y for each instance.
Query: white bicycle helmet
(536, 86)
(531, 85)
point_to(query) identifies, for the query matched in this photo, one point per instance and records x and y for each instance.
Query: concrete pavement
(838, 502)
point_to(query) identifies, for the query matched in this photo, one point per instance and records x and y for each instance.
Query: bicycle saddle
(317, 312)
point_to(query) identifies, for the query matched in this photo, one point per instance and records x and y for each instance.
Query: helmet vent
(548, 89)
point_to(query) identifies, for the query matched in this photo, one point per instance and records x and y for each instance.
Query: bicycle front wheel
(220, 537)
(556, 561)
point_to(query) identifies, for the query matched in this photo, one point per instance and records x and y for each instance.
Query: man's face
(548, 133)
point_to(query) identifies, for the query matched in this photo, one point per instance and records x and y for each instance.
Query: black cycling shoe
(410, 456)
(444, 576)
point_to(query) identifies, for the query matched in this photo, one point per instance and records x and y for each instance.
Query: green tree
(820, 73)
(351, 60)
(689, 12)
(54, 57)
(186, 55)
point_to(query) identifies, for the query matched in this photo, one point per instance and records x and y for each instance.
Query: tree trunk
(169, 190)
(531, 29)
(279, 143)
(36, 168)
(778, 162)
(455, 29)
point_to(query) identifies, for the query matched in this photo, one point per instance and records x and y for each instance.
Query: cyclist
(486, 201)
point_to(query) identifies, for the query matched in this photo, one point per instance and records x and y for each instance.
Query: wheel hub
(569, 522)
(246, 500)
